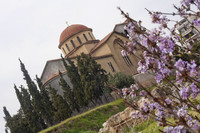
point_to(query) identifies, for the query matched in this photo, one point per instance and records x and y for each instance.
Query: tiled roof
(53, 76)
(101, 42)
(70, 31)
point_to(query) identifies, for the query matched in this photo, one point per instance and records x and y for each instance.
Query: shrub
(120, 80)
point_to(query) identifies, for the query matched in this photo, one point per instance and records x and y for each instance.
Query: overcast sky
(30, 30)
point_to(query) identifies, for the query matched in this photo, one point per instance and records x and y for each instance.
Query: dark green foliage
(33, 120)
(120, 80)
(62, 108)
(47, 107)
(92, 77)
(17, 123)
(68, 94)
(73, 74)
(6, 113)
(35, 96)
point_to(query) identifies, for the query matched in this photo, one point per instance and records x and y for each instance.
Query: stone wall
(145, 79)
(122, 120)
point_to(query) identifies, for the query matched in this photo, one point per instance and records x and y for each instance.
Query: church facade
(77, 39)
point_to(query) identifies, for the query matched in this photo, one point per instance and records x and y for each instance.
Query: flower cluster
(188, 3)
(196, 22)
(157, 18)
(160, 52)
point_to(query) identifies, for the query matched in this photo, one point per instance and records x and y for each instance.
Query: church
(77, 39)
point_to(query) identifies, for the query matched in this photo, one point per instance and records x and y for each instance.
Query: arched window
(127, 60)
(64, 51)
(111, 66)
(90, 35)
(67, 47)
(73, 43)
(85, 37)
(79, 40)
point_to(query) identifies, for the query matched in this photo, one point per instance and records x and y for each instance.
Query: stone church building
(77, 39)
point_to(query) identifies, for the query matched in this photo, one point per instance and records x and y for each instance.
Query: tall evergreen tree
(63, 110)
(17, 123)
(73, 74)
(35, 94)
(48, 109)
(6, 113)
(68, 94)
(93, 77)
(31, 116)
(7, 118)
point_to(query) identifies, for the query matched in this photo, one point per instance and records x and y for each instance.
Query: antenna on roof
(67, 23)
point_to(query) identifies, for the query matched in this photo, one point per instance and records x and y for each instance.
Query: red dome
(71, 30)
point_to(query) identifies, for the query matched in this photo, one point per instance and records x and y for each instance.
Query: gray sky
(30, 30)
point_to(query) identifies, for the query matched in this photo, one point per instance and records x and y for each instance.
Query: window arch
(85, 37)
(64, 51)
(127, 60)
(67, 47)
(111, 67)
(90, 35)
(79, 40)
(72, 42)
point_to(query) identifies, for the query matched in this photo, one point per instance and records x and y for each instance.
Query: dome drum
(71, 31)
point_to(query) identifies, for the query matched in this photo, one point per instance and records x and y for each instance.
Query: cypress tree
(7, 118)
(93, 77)
(31, 116)
(6, 113)
(35, 94)
(17, 123)
(73, 74)
(48, 109)
(68, 93)
(63, 110)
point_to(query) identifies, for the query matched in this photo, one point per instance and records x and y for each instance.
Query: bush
(120, 80)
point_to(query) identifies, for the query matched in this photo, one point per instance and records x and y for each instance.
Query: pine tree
(73, 74)
(48, 109)
(63, 110)
(68, 93)
(35, 94)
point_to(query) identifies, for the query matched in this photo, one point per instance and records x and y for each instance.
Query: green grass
(90, 121)
(142, 126)
(148, 126)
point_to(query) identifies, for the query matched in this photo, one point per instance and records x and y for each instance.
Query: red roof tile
(101, 42)
(70, 31)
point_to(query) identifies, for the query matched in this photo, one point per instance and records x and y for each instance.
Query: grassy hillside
(88, 122)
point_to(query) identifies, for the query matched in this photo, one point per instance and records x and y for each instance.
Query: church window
(67, 47)
(127, 60)
(85, 37)
(111, 66)
(90, 35)
(79, 40)
(73, 44)
(64, 51)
